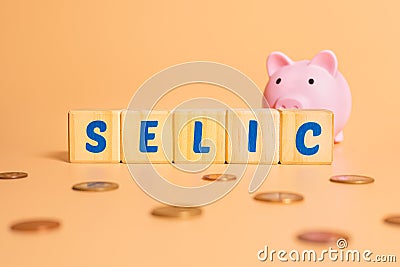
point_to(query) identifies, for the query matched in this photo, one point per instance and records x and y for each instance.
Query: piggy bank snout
(289, 103)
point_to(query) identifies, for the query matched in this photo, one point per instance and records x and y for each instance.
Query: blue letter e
(101, 141)
(301, 133)
(145, 136)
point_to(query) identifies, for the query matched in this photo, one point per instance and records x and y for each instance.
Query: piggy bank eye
(311, 81)
(278, 81)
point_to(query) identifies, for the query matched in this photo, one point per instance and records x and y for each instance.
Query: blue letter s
(101, 141)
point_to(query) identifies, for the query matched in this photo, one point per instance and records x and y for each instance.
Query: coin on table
(95, 186)
(351, 179)
(322, 237)
(279, 197)
(176, 212)
(220, 177)
(13, 175)
(393, 219)
(35, 225)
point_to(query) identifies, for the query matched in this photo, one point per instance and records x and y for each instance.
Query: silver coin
(13, 175)
(220, 177)
(95, 186)
(351, 179)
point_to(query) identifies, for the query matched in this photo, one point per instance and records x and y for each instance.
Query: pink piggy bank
(315, 84)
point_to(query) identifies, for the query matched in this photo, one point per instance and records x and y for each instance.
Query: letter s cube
(94, 136)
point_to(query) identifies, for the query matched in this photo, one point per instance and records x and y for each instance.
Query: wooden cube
(252, 136)
(94, 136)
(199, 136)
(146, 136)
(306, 137)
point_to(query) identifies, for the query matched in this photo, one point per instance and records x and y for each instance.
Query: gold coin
(13, 175)
(35, 225)
(95, 186)
(351, 179)
(219, 177)
(279, 197)
(322, 236)
(393, 219)
(176, 212)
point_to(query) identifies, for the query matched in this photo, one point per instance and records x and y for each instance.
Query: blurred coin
(352, 179)
(176, 212)
(13, 175)
(35, 225)
(322, 236)
(95, 186)
(393, 220)
(219, 177)
(279, 197)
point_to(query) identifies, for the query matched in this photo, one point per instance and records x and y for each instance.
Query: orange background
(62, 55)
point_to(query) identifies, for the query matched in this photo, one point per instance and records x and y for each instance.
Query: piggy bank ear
(327, 60)
(277, 60)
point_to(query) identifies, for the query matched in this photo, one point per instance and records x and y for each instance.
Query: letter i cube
(306, 136)
(94, 136)
(199, 136)
(252, 136)
(146, 136)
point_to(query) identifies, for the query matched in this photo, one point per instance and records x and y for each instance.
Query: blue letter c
(300, 135)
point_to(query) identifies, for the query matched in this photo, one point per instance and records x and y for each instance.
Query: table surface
(61, 56)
